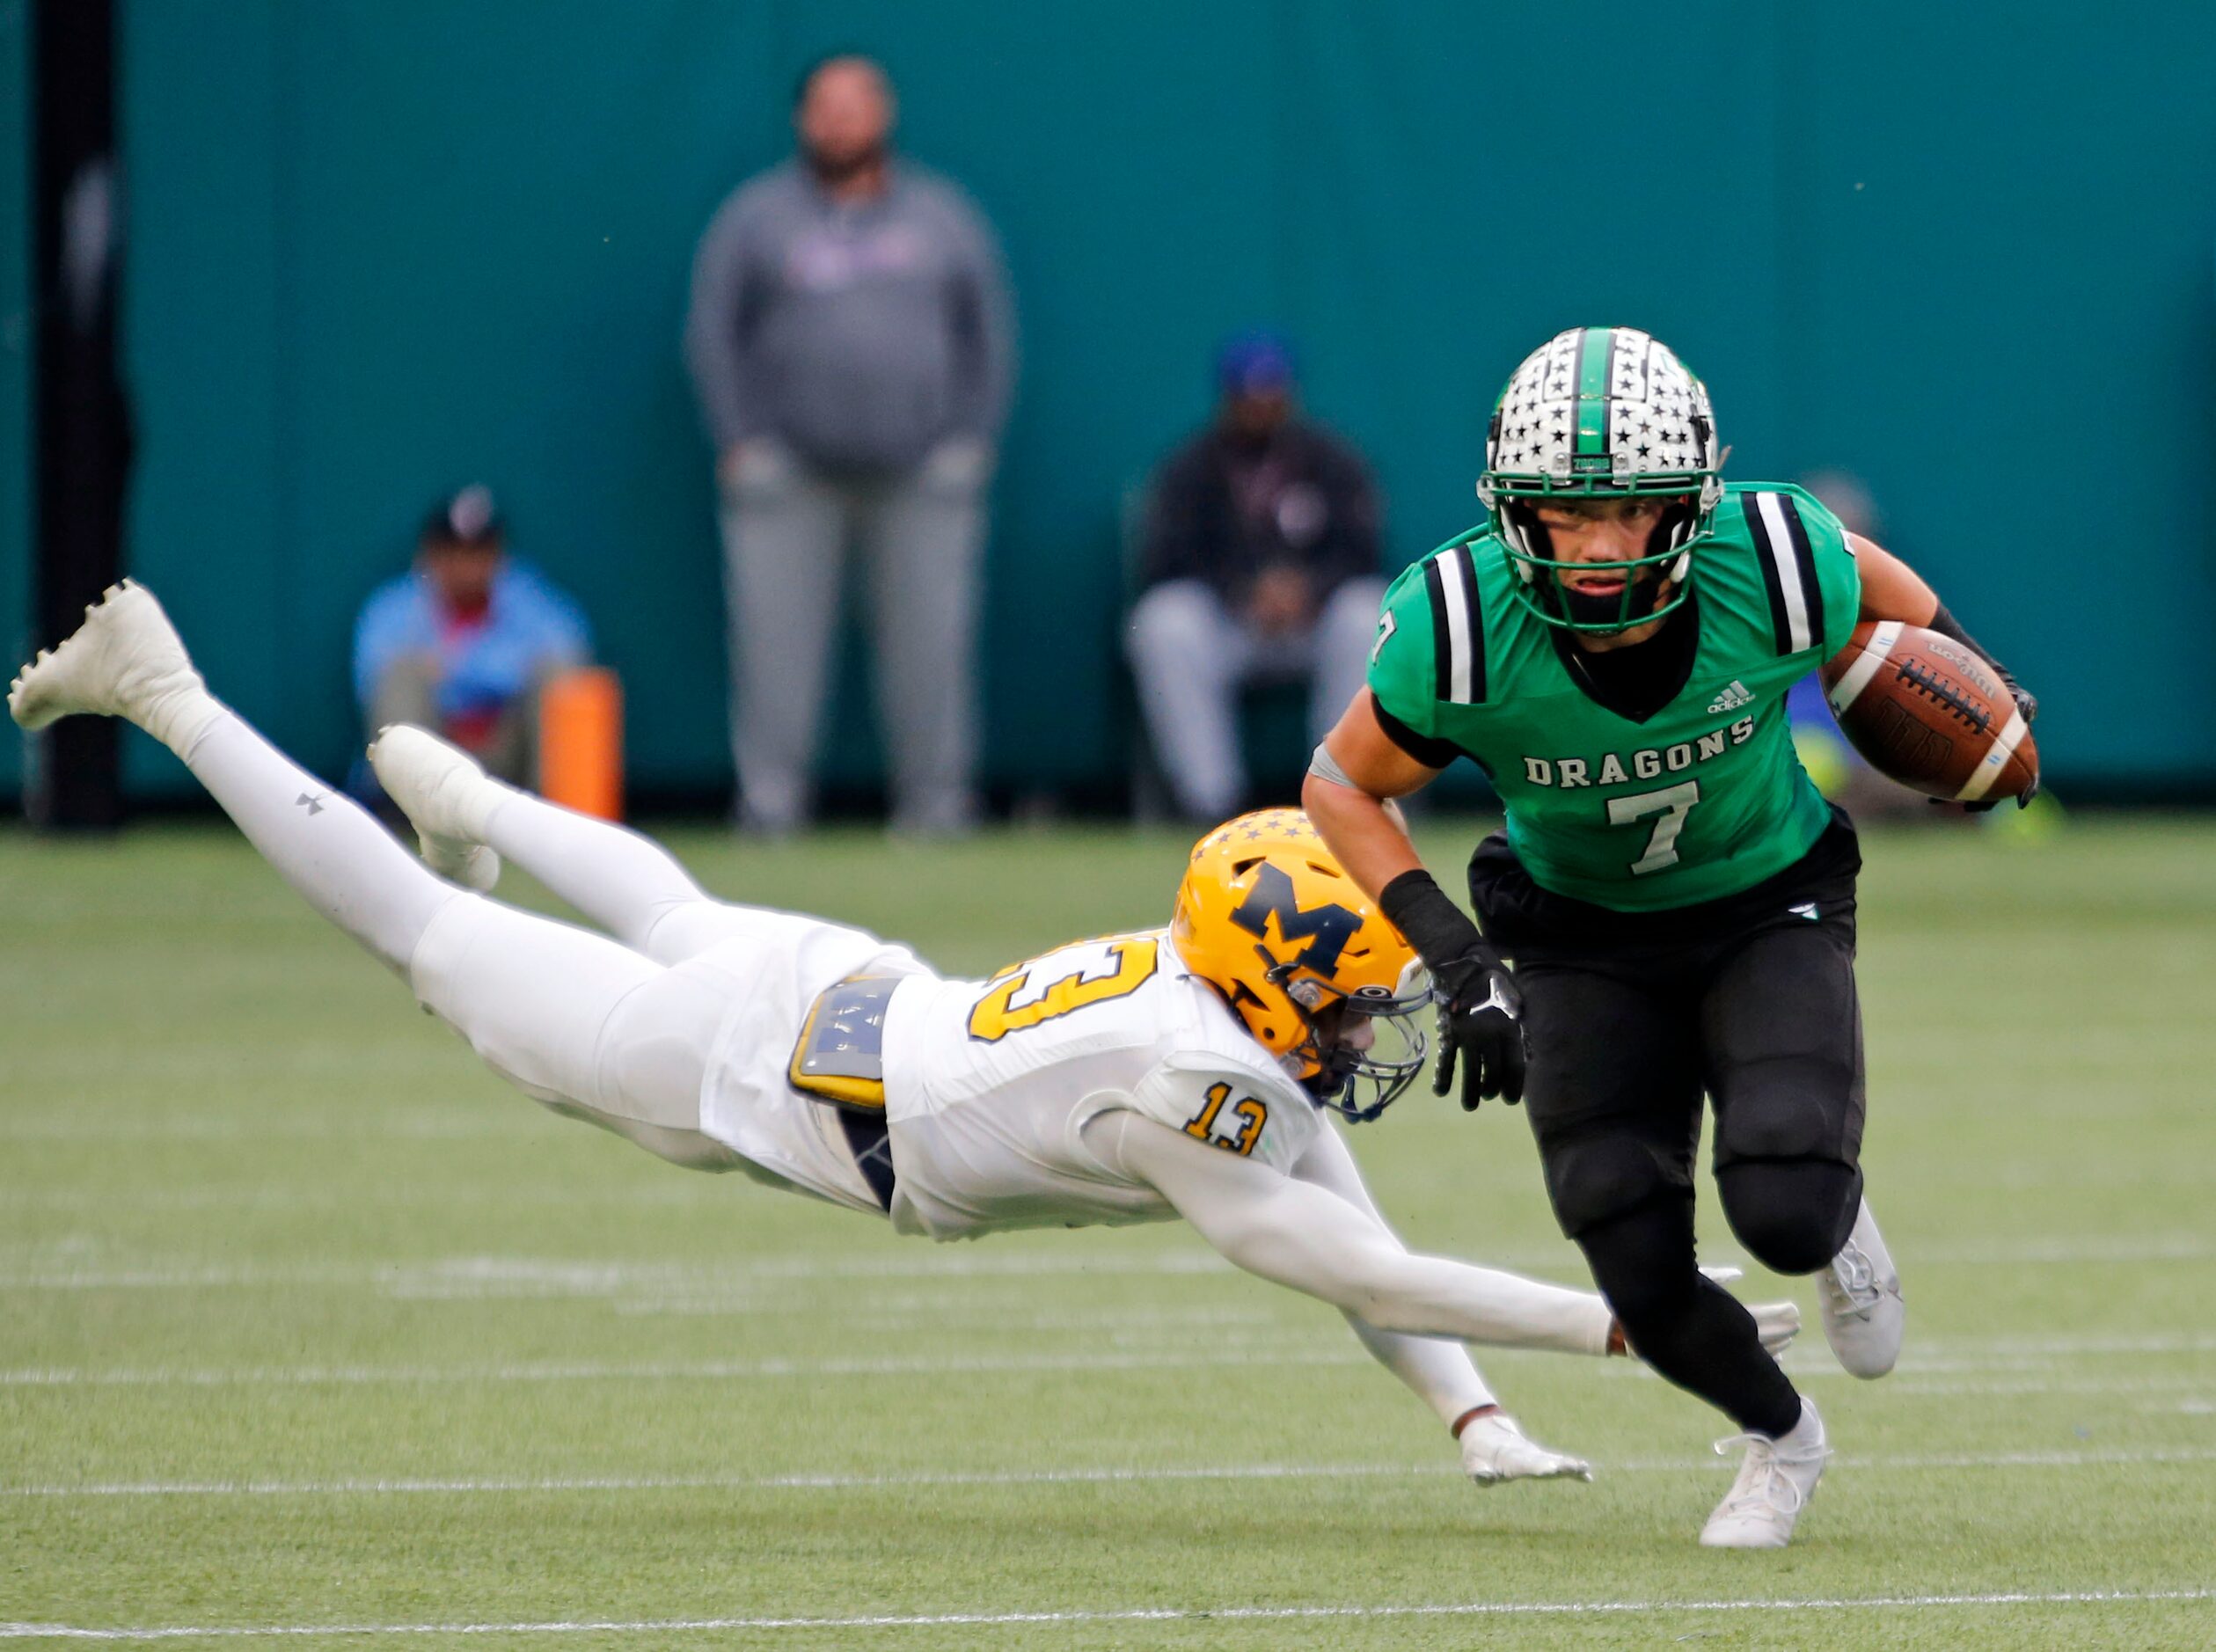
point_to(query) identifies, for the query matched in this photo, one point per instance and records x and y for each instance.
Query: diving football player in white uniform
(1135, 1077)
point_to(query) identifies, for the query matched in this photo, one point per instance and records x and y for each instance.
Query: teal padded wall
(15, 364)
(384, 247)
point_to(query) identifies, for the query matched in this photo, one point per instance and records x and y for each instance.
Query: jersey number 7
(1673, 803)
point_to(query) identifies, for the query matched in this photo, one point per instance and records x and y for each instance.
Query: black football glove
(1481, 1011)
(1480, 1026)
(2027, 704)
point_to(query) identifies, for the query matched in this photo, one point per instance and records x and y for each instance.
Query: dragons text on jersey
(1648, 762)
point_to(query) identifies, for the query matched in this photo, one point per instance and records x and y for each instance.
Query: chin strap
(1672, 531)
(1521, 526)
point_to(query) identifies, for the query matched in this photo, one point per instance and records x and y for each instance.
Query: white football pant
(615, 1031)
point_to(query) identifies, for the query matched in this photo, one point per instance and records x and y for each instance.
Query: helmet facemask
(1540, 587)
(1356, 1076)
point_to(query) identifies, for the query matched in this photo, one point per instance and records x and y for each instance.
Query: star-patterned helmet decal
(1658, 421)
(1269, 825)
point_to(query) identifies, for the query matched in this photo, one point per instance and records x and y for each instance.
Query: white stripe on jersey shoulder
(1778, 537)
(1461, 655)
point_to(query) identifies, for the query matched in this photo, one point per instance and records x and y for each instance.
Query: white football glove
(1777, 1323)
(1493, 1449)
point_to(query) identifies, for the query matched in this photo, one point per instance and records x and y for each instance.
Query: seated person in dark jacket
(1260, 564)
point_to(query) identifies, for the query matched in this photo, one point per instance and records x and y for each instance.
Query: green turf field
(305, 1320)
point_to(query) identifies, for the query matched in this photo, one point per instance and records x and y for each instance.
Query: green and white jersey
(1702, 800)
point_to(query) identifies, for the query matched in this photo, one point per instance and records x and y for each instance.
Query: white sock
(1806, 1434)
(342, 862)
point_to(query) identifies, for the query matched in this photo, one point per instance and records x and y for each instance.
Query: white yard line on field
(971, 1312)
(2062, 1248)
(554, 1276)
(439, 1125)
(2017, 1372)
(2191, 1383)
(496, 1485)
(1151, 1614)
(476, 1276)
(681, 1370)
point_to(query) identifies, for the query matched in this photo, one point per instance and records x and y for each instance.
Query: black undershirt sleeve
(1431, 753)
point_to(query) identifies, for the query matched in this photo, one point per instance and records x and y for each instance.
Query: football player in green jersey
(1612, 647)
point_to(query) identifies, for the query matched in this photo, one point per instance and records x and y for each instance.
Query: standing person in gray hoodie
(851, 343)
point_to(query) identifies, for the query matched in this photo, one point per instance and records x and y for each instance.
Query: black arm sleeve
(1440, 932)
(1947, 625)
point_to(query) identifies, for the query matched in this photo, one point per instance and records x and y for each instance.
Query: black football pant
(1756, 1009)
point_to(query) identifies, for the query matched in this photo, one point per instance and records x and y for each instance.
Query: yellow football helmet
(1329, 987)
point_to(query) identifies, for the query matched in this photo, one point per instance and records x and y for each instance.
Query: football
(1930, 714)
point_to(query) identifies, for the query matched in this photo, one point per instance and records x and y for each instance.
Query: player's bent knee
(1792, 1215)
(1801, 1108)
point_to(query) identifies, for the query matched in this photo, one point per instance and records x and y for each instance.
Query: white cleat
(1864, 1314)
(1495, 1449)
(448, 798)
(1775, 1482)
(125, 660)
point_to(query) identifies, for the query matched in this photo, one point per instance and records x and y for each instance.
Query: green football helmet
(1602, 412)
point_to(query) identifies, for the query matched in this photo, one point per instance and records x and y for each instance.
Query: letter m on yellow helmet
(1268, 916)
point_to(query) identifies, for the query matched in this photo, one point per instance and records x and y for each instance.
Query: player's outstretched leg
(572, 1019)
(126, 661)
(1864, 1314)
(626, 883)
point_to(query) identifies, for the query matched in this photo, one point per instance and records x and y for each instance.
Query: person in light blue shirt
(461, 643)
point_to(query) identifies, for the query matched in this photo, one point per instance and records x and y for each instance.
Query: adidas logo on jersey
(1732, 698)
